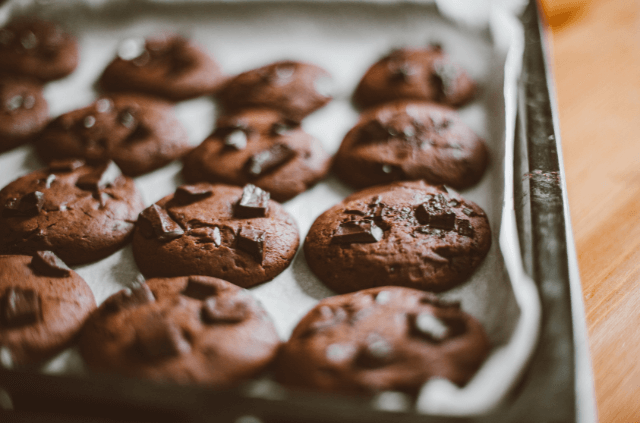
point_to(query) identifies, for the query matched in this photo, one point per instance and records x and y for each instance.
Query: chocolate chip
(159, 338)
(155, 222)
(103, 105)
(357, 232)
(207, 235)
(187, 194)
(135, 296)
(429, 327)
(126, 118)
(269, 159)
(99, 178)
(198, 289)
(14, 103)
(453, 203)
(236, 139)
(48, 264)
(20, 307)
(28, 205)
(465, 228)
(89, 122)
(469, 212)
(338, 353)
(68, 165)
(253, 203)
(439, 219)
(376, 352)
(252, 242)
(230, 310)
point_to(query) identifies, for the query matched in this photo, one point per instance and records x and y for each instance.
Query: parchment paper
(345, 38)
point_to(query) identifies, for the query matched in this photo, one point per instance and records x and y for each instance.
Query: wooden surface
(596, 62)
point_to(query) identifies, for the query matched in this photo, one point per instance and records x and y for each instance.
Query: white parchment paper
(345, 38)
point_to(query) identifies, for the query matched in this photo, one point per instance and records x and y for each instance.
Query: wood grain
(596, 61)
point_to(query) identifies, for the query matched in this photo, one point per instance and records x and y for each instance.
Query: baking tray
(555, 387)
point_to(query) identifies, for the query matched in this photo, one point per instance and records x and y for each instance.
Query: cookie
(415, 74)
(167, 66)
(382, 339)
(139, 133)
(295, 89)
(407, 140)
(236, 234)
(23, 110)
(258, 146)
(193, 329)
(43, 305)
(406, 234)
(82, 213)
(37, 48)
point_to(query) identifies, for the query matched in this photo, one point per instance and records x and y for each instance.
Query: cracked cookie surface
(407, 140)
(260, 147)
(382, 339)
(237, 234)
(82, 213)
(139, 133)
(406, 234)
(193, 329)
(43, 305)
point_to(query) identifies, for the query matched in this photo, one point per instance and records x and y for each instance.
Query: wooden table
(596, 62)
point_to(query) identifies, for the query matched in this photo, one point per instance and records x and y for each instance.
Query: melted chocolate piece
(155, 222)
(48, 264)
(357, 232)
(28, 205)
(103, 176)
(269, 159)
(465, 228)
(129, 298)
(436, 213)
(253, 203)
(188, 194)
(236, 139)
(252, 241)
(229, 311)
(160, 339)
(20, 307)
(376, 352)
(199, 290)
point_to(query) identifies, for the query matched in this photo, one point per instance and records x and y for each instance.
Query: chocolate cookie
(82, 213)
(43, 305)
(37, 48)
(295, 89)
(168, 66)
(140, 134)
(23, 110)
(382, 339)
(258, 146)
(415, 74)
(407, 234)
(190, 329)
(233, 233)
(407, 140)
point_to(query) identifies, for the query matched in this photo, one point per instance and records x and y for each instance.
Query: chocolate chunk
(357, 232)
(126, 118)
(236, 139)
(48, 264)
(69, 165)
(187, 194)
(376, 352)
(253, 203)
(199, 290)
(159, 338)
(465, 228)
(100, 178)
(427, 326)
(28, 205)
(155, 222)
(269, 159)
(252, 242)
(20, 307)
(436, 214)
(207, 235)
(229, 311)
(135, 296)
(469, 212)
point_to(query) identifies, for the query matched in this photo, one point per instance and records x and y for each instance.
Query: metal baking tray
(555, 387)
